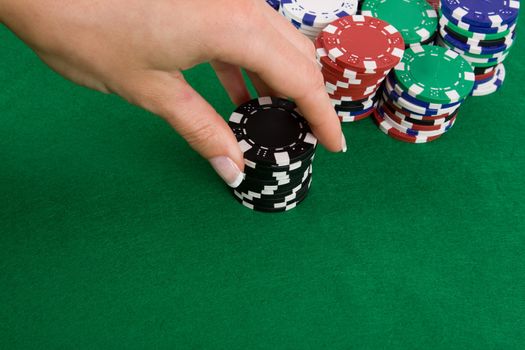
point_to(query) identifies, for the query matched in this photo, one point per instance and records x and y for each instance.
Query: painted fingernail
(227, 170)
(343, 143)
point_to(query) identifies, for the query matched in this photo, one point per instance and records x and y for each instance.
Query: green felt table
(115, 234)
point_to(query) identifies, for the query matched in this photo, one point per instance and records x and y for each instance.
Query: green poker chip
(416, 20)
(434, 74)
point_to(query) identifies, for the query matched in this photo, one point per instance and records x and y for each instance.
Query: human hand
(139, 48)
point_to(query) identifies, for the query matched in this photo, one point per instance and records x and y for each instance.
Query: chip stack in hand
(483, 32)
(423, 94)
(355, 54)
(311, 16)
(279, 149)
(416, 20)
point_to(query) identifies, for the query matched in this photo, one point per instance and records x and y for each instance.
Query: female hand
(138, 48)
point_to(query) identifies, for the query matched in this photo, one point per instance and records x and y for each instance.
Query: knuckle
(308, 47)
(314, 81)
(200, 134)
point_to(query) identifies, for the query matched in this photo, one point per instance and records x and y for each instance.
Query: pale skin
(138, 48)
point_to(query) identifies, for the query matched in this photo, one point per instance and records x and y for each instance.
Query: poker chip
(392, 87)
(363, 44)
(354, 118)
(492, 85)
(444, 22)
(254, 121)
(274, 4)
(416, 20)
(490, 14)
(434, 4)
(409, 131)
(389, 129)
(434, 74)
(471, 41)
(311, 16)
(475, 48)
(278, 148)
(420, 119)
(483, 33)
(405, 121)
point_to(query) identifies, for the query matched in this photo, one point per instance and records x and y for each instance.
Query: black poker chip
(360, 105)
(271, 132)
(268, 174)
(484, 70)
(271, 187)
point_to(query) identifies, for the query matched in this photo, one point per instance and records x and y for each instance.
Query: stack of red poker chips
(355, 54)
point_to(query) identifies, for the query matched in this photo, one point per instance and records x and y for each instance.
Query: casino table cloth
(114, 234)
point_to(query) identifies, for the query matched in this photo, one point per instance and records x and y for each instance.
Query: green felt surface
(114, 234)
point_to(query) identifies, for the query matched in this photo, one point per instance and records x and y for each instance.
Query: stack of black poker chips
(279, 149)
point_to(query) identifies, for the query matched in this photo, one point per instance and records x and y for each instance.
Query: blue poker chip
(415, 109)
(474, 28)
(274, 3)
(391, 85)
(318, 14)
(483, 14)
(478, 50)
(472, 58)
(492, 85)
(409, 105)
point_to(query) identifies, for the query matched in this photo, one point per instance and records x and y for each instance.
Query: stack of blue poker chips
(310, 17)
(483, 32)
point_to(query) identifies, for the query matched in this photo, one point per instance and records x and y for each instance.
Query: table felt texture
(115, 234)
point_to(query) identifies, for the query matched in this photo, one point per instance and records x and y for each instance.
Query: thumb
(171, 97)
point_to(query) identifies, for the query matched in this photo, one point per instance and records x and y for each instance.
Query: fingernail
(227, 170)
(343, 143)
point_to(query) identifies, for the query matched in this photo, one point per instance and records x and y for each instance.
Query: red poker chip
(406, 113)
(336, 95)
(434, 4)
(485, 76)
(350, 119)
(364, 44)
(351, 89)
(389, 130)
(368, 81)
(443, 128)
(335, 69)
(347, 73)
(399, 120)
(353, 92)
